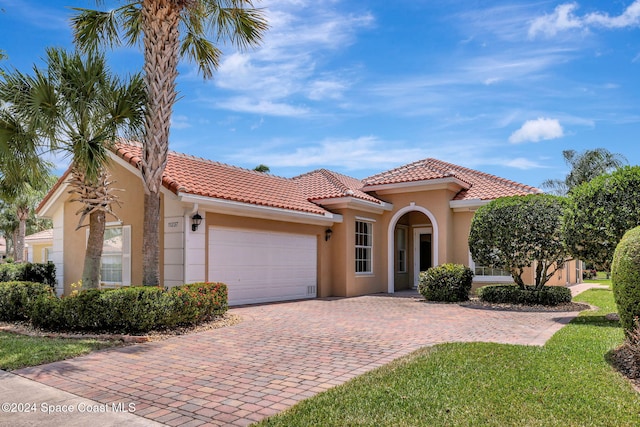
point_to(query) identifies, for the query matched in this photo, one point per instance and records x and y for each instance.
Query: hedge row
(28, 272)
(17, 299)
(125, 310)
(512, 294)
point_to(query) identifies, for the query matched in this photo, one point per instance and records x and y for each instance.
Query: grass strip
(19, 351)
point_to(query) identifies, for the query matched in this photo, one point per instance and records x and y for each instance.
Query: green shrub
(446, 282)
(17, 299)
(512, 294)
(625, 278)
(131, 309)
(134, 309)
(28, 272)
(197, 302)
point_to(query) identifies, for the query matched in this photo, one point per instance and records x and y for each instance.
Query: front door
(422, 252)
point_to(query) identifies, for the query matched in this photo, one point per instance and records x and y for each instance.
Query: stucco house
(274, 239)
(38, 246)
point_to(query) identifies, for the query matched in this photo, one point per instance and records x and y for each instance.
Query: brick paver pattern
(279, 355)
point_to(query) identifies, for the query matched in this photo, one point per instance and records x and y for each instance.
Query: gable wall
(130, 213)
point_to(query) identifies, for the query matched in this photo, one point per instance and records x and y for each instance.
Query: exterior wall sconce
(327, 234)
(196, 220)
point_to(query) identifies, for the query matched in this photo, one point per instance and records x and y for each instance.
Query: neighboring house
(3, 249)
(273, 239)
(38, 246)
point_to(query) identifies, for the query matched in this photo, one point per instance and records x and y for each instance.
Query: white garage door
(261, 266)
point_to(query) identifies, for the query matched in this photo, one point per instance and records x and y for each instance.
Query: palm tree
(169, 29)
(17, 213)
(584, 167)
(23, 173)
(76, 105)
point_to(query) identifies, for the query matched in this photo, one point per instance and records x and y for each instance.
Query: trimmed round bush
(512, 294)
(625, 278)
(446, 282)
(17, 299)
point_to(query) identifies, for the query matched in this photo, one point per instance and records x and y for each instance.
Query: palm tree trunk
(93, 255)
(160, 22)
(23, 214)
(14, 241)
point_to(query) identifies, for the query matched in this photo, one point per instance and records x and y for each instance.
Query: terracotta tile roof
(325, 184)
(41, 235)
(482, 186)
(57, 185)
(202, 177)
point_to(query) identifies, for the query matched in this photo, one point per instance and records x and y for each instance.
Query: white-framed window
(488, 274)
(401, 248)
(364, 246)
(46, 254)
(115, 266)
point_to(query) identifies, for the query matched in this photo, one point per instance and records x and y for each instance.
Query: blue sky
(364, 86)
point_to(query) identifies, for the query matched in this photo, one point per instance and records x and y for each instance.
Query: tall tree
(599, 213)
(23, 172)
(78, 106)
(8, 227)
(584, 167)
(513, 233)
(169, 29)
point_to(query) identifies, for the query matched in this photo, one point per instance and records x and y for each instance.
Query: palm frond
(94, 28)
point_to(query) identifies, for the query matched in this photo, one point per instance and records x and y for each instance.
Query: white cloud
(536, 130)
(522, 163)
(265, 107)
(326, 89)
(347, 153)
(563, 18)
(629, 18)
(291, 59)
(180, 122)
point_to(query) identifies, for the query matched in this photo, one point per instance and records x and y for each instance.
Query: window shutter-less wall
(126, 255)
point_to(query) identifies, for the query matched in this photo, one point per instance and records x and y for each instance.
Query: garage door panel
(260, 266)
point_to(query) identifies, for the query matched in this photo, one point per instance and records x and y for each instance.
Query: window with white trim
(488, 273)
(401, 248)
(115, 266)
(364, 246)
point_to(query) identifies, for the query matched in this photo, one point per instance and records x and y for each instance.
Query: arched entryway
(412, 238)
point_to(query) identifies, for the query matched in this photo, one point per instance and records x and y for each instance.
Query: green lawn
(19, 351)
(568, 382)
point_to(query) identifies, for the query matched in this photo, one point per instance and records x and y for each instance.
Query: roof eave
(47, 209)
(349, 202)
(448, 183)
(469, 205)
(230, 207)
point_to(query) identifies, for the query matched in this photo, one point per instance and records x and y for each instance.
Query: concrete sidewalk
(28, 403)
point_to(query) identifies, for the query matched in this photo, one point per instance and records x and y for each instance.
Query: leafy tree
(79, 107)
(513, 233)
(600, 212)
(23, 173)
(170, 29)
(584, 167)
(9, 227)
(262, 168)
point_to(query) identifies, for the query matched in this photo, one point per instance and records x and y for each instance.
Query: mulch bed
(570, 306)
(24, 328)
(626, 360)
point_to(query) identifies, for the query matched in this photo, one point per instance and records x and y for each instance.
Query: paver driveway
(280, 354)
